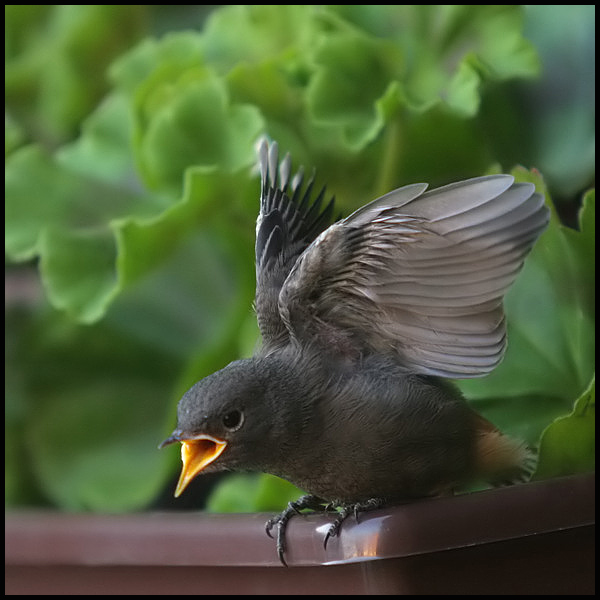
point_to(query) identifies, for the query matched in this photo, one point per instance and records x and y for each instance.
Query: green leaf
(182, 113)
(103, 151)
(90, 416)
(56, 61)
(94, 236)
(435, 55)
(354, 72)
(77, 268)
(463, 90)
(207, 278)
(254, 492)
(199, 127)
(66, 218)
(568, 445)
(250, 34)
(115, 384)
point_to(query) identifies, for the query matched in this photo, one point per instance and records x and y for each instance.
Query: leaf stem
(390, 158)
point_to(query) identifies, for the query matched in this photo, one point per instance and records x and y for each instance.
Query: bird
(365, 323)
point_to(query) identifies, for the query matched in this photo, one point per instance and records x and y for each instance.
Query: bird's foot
(345, 510)
(281, 520)
(342, 512)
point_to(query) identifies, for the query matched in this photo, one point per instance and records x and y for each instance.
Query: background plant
(130, 141)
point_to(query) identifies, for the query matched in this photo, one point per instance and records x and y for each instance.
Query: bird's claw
(281, 520)
(345, 511)
(280, 539)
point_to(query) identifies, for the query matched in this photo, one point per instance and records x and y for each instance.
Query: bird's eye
(233, 420)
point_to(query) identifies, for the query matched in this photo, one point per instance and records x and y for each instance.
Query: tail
(500, 459)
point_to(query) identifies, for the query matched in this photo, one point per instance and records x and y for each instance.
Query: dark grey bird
(363, 322)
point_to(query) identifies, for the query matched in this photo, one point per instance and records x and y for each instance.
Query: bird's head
(223, 422)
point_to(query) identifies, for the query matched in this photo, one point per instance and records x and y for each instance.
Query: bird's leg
(293, 508)
(346, 510)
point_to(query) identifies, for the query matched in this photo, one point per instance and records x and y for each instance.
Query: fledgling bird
(362, 323)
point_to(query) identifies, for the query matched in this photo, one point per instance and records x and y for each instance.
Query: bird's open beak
(196, 455)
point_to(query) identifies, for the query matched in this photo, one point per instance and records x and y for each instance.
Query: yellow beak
(196, 455)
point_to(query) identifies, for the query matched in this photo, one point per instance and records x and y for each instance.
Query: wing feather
(421, 274)
(288, 221)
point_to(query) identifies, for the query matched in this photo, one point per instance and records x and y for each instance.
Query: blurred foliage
(568, 445)
(130, 136)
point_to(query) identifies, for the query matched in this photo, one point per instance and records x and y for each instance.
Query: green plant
(134, 194)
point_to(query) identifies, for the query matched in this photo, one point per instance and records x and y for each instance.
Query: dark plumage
(360, 320)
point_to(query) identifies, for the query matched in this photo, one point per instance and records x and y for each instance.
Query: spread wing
(287, 223)
(418, 274)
